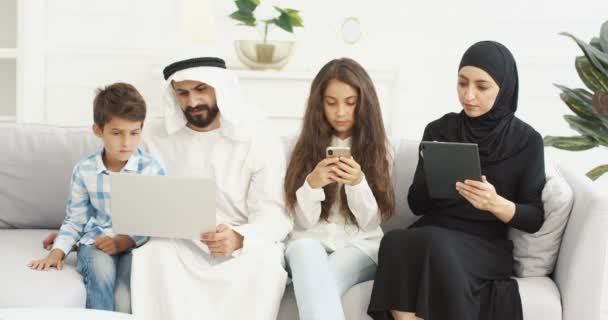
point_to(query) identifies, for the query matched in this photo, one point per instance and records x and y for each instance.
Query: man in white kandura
(237, 271)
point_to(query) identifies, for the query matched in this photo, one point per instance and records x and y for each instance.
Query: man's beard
(201, 120)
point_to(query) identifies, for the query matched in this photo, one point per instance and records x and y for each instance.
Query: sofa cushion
(540, 298)
(23, 287)
(35, 170)
(581, 272)
(354, 303)
(535, 253)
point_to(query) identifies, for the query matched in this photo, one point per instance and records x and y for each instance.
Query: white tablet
(161, 206)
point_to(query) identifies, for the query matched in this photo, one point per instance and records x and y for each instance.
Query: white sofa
(35, 166)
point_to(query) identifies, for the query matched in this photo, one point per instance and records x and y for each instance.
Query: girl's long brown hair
(369, 140)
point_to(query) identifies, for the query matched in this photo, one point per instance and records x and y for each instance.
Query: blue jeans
(107, 279)
(321, 278)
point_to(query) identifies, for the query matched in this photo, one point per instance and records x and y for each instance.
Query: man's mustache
(200, 107)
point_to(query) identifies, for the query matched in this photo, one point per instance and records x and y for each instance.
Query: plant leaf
(294, 17)
(244, 18)
(283, 22)
(595, 130)
(247, 6)
(597, 172)
(604, 36)
(579, 101)
(600, 103)
(280, 10)
(288, 19)
(595, 42)
(597, 58)
(577, 143)
(591, 76)
(599, 106)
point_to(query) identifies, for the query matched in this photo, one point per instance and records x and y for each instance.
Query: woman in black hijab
(456, 261)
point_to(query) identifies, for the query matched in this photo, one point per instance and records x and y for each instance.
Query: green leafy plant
(286, 19)
(590, 106)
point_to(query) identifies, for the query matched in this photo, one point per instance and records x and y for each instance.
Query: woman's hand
(322, 175)
(347, 171)
(482, 195)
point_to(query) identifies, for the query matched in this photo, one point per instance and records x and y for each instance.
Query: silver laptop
(167, 207)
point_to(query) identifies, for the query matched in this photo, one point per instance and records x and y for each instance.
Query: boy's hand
(55, 259)
(47, 243)
(106, 244)
(114, 246)
(223, 242)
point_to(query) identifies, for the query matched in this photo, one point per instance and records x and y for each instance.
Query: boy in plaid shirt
(104, 258)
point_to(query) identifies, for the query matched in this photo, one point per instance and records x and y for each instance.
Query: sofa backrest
(35, 169)
(406, 159)
(38, 160)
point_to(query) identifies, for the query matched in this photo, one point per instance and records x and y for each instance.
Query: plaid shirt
(88, 214)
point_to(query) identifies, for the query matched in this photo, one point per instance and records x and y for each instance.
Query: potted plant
(590, 106)
(265, 54)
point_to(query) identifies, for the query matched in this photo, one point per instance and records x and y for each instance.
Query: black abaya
(456, 261)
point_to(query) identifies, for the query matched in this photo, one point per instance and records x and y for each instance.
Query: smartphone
(337, 152)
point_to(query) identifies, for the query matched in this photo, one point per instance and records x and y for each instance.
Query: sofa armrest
(581, 272)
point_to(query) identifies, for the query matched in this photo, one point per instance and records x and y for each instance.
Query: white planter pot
(262, 56)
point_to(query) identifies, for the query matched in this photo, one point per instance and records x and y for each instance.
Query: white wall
(97, 43)
(423, 42)
(436, 34)
(8, 69)
(8, 23)
(317, 43)
(8, 64)
(320, 40)
(74, 47)
(85, 45)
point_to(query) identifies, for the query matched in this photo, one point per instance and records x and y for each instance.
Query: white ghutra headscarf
(237, 120)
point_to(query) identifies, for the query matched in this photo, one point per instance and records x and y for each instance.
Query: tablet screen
(445, 163)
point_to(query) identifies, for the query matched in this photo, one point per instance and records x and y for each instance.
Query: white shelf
(8, 53)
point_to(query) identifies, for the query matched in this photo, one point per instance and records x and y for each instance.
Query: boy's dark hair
(118, 100)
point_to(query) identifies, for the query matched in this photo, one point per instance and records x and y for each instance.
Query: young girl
(337, 203)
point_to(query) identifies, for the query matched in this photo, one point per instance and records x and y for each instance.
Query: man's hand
(223, 242)
(47, 243)
(55, 259)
